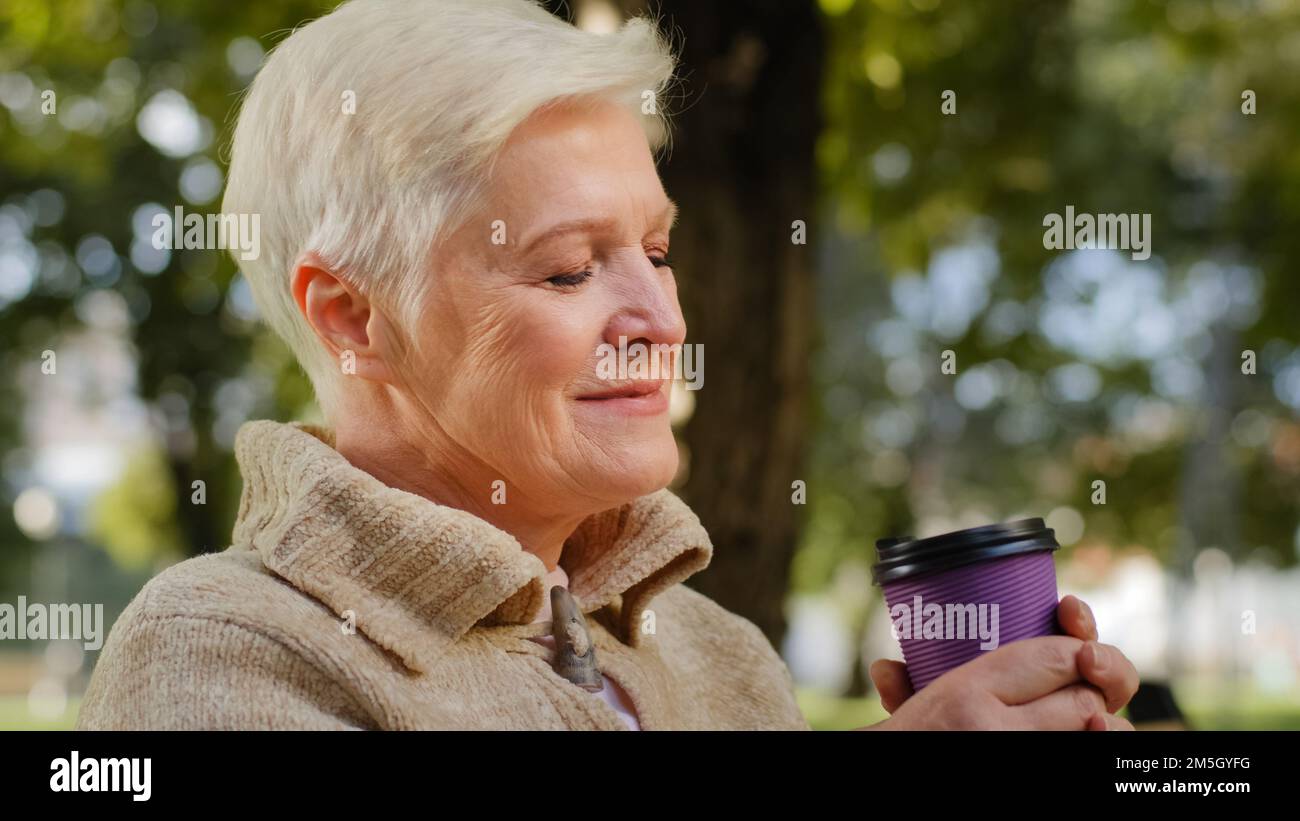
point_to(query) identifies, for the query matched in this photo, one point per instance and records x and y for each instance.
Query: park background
(924, 235)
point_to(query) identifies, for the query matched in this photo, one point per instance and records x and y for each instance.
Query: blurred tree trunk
(192, 456)
(742, 170)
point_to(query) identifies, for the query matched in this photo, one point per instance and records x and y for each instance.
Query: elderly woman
(460, 207)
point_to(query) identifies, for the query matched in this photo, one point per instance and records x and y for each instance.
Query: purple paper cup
(955, 596)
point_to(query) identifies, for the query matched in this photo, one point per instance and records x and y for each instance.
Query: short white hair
(438, 86)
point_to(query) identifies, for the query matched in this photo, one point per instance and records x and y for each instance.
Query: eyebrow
(591, 225)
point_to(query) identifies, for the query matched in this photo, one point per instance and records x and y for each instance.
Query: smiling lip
(645, 397)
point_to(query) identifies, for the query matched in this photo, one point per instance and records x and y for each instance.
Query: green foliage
(1129, 107)
(135, 518)
(106, 62)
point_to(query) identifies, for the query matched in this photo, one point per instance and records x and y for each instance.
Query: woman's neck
(430, 467)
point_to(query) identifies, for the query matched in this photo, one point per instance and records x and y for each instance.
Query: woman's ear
(352, 330)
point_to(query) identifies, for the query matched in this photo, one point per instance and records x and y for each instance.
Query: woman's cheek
(564, 352)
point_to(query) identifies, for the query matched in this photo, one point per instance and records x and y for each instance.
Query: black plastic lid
(906, 557)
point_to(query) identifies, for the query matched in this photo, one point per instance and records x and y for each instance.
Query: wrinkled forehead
(578, 161)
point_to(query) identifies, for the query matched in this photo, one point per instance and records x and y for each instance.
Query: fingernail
(1098, 659)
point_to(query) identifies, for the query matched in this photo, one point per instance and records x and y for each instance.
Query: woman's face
(567, 255)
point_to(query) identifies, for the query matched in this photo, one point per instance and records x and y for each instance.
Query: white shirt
(613, 694)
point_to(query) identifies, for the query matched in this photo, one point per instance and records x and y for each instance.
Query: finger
(890, 678)
(1106, 721)
(1027, 669)
(1070, 708)
(1076, 618)
(1112, 722)
(1107, 668)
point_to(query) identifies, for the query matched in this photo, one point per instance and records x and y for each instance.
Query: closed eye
(570, 280)
(660, 261)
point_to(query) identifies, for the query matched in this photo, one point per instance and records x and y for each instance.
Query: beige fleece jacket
(345, 603)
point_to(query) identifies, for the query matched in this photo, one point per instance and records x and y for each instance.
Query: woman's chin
(638, 473)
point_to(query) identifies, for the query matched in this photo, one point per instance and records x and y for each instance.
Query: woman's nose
(651, 314)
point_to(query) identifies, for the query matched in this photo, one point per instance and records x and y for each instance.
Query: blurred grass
(1211, 706)
(825, 711)
(14, 715)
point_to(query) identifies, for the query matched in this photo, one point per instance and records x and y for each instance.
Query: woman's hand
(1067, 682)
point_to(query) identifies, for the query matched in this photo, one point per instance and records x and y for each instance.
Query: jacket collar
(419, 575)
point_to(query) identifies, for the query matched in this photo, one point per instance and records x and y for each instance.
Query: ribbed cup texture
(1023, 588)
